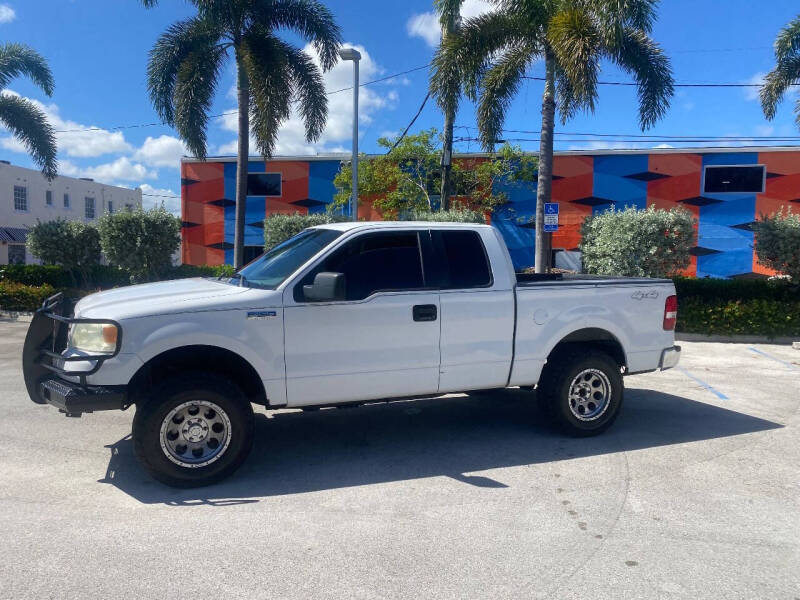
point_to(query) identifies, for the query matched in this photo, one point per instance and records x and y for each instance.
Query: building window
(734, 179)
(16, 254)
(89, 207)
(66, 200)
(110, 207)
(264, 184)
(48, 197)
(20, 198)
(129, 207)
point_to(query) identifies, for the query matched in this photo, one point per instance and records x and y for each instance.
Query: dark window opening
(747, 179)
(466, 260)
(371, 263)
(252, 252)
(264, 184)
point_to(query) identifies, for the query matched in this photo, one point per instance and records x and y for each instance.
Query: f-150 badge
(262, 315)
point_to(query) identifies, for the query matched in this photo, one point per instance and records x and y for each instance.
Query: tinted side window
(466, 259)
(371, 263)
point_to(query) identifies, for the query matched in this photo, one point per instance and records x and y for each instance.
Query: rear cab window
(464, 263)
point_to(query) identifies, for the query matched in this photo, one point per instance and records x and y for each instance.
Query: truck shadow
(297, 452)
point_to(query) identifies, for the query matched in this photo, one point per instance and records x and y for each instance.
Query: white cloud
(122, 169)
(751, 93)
(7, 13)
(152, 197)
(426, 25)
(339, 128)
(163, 151)
(76, 139)
(661, 146)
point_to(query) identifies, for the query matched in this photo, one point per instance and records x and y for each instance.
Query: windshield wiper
(237, 276)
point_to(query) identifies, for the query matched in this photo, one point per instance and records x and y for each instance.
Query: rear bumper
(74, 399)
(670, 357)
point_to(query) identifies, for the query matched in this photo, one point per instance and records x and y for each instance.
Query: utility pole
(355, 56)
(450, 23)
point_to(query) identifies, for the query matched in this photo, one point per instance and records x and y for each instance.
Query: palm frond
(470, 53)
(785, 74)
(309, 18)
(149, 3)
(576, 42)
(788, 41)
(640, 56)
(28, 124)
(308, 92)
(195, 83)
(499, 86)
(181, 40)
(449, 11)
(267, 67)
(19, 60)
(638, 14)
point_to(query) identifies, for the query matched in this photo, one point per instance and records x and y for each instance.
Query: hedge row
(21, 297)
(771, 318)
(716, 290)
(100, 276)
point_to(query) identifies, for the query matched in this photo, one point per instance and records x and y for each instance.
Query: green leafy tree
(26, 121)
(69, 244)
(279, 228)
(786, 72)
(187, 61)
(140, 241)
(777, 240)
(406, 179)
(492, 53)
(638, 243)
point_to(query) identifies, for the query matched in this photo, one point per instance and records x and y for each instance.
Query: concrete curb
(735, 339)
(20, 317)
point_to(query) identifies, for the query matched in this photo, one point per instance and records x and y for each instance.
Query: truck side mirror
(327, 287)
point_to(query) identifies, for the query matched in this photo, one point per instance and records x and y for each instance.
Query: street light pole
(355, 56)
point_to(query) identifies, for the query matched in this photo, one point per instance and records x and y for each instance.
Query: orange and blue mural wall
(583, 184)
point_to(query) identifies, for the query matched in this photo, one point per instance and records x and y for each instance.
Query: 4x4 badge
(262, 315)
(651, 295)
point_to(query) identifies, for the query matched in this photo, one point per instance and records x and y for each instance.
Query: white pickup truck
(342, 314)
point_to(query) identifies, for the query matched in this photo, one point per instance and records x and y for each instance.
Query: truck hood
(164, 297)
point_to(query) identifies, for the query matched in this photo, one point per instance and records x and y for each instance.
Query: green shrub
(777, 242)
(70, 244)
(455, 215)
(279, 228)
(53, 275)
(637, 243)
(712, 290)
(141, 242)
(20, 297)
(771, 318)
(185, 271)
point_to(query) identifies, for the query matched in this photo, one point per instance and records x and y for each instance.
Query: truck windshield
(273, 267)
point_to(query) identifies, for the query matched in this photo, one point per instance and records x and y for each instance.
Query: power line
(416, 116)
(677, 85)
(649, 137)
(233, 112)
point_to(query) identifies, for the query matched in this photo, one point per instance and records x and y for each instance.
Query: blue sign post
(551, 216)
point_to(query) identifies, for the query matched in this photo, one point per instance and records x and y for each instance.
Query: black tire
(558, 377)
(193, 390)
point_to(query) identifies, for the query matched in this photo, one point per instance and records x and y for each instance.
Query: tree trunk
(449, 118)
(242, 159)
(545, 181)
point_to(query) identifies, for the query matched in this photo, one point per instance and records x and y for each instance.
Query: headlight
(94, 337)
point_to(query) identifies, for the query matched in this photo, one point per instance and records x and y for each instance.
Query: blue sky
(98, 51)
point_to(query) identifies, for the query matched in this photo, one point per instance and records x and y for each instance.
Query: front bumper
(74, 399)
(670, 357)
(43, 356)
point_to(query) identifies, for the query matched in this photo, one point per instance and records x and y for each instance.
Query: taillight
(670, 313)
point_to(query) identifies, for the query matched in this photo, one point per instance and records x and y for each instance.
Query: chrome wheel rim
(195, 434)
(589, 395)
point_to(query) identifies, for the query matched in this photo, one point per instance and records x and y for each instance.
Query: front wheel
(193, 430)
(582, 391)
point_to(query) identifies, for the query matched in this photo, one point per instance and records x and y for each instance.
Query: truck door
(477, 314)
(380, 341)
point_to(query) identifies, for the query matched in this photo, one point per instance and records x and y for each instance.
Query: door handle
(424, 312)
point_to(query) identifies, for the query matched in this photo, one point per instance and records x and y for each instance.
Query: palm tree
(448, 97)
(21, 117)
(786, 72)
(186, 62)
(494, 51)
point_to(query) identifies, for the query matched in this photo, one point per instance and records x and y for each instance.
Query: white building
(27, 197)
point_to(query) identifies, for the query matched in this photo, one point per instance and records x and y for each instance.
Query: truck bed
(560, 279)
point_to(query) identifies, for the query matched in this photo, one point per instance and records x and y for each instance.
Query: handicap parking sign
(551, 216)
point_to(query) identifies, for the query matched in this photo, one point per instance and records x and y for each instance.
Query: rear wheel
(582, 391)
(193, 430)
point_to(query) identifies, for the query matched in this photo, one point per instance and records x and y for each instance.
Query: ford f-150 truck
(344, 314)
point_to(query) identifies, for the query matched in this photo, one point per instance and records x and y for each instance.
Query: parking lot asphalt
(694, 493)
